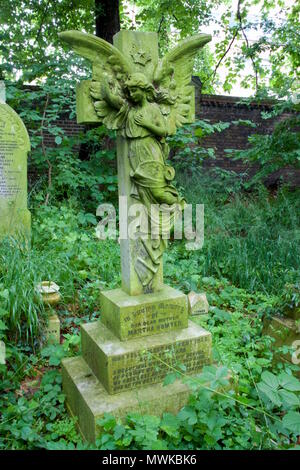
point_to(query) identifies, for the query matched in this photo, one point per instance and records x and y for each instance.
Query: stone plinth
(120, 365)
(142, 315)
(53, 329)
(88, 400)
(120, 376)
(49, 291)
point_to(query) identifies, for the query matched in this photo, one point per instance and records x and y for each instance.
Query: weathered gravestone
(144, 329)
(14, 146)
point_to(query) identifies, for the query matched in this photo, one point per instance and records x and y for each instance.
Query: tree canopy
(255, 41)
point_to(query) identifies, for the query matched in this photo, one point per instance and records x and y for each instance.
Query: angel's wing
(110, 66)
(174, 73)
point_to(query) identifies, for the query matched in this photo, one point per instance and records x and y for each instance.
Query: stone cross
(145, 99)
(144, 325)
(14, 146)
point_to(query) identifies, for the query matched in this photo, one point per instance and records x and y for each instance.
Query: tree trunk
(107, 19)
(107, 24)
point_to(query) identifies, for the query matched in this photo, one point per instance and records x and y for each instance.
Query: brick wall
(70, 127)
(217, 108)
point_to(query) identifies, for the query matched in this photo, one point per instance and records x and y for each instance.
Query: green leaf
(270, 379)
(182, 367)
(289, 382)
(58, 140)
(108, 422)
(119, 431)
(289, 398)
(199, 132)
(170, 424)
(188, 414)
(5, 294)
(222, 373)
(2, 325)
(221, 315)
(270, 393)
(26, 433)
(170, 378)
(159, 445)
(292, 421)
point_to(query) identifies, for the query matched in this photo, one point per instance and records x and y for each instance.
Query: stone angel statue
(146, 100)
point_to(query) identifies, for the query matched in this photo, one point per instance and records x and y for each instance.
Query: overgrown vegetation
(249, 264)
(258, 409)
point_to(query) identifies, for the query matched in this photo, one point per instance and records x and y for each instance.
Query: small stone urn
(49, 292)
(51, 297)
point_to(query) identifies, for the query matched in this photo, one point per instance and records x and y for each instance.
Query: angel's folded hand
(139, 119)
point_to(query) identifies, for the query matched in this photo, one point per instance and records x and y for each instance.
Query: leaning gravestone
(14, 146)
(144, 331)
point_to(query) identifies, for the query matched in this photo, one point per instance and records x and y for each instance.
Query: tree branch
(239, 17)
(42, 22)
(160, 23)
(213, 75)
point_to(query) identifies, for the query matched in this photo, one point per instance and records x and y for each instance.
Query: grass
(251, 239)
(21, 308)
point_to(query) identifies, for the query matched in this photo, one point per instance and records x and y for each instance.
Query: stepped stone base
(126, 365)
(88, 400)
(130, 316)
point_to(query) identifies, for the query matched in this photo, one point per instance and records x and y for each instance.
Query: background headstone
(15, 218)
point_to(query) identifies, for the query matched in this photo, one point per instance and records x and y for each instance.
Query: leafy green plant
(186, 152)
(216, 417)
(280, 149)
(243, 240)
(289, 299)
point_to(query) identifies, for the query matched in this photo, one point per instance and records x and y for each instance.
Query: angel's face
(136, 94)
